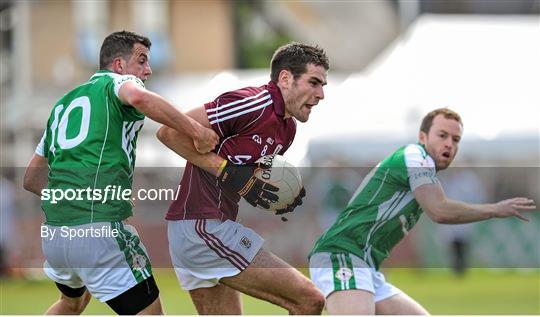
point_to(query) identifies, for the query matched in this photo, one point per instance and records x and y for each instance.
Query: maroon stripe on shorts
(222, 253)
(238, 255)
(225, 248)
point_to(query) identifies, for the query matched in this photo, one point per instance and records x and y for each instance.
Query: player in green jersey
(345, 260)
(87, 149)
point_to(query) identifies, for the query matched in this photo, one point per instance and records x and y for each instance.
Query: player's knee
(76, 305)
(312, 304)
(317, 303)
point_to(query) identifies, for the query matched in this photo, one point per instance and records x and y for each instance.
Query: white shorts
(108, 266)
(333, 272)
(205, 250)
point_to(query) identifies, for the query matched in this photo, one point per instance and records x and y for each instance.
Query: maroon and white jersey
(250, 123)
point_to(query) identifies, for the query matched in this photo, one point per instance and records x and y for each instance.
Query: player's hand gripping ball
(242, 179)
(286, 177)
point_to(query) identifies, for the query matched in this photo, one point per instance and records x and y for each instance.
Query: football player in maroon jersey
(215, 257)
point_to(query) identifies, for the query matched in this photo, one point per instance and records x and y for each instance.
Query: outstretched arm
(35, 176)
(158, 109)
(440, 209)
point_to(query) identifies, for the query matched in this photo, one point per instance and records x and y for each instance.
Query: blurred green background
(480, 291)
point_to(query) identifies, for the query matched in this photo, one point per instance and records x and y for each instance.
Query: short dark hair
(427, 122)
(119, 44)
(294, 57)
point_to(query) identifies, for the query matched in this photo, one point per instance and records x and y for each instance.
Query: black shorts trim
(136, 298)
(71, 292)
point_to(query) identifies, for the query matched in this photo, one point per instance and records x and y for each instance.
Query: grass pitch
(480, 291)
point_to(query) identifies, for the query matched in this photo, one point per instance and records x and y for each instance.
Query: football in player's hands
(283, 175)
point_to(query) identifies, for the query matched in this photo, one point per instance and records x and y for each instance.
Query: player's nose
(319, 94)
(448, 143)
(148, 71)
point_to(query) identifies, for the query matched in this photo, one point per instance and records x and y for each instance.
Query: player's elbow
(29, 183)
(435, 207)
(439, 219)
(438, 215)
(163, 134)
(137, 98)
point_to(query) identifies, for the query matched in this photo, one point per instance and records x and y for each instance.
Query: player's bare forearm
(35, 176)
(457, 212)
(433, 201)
(182, 145)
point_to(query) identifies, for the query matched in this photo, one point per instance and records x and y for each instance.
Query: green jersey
(383, 208)
(90, 143)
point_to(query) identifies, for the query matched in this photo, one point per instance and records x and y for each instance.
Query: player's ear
(422, 137)
(285, 78)
(117, 65)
